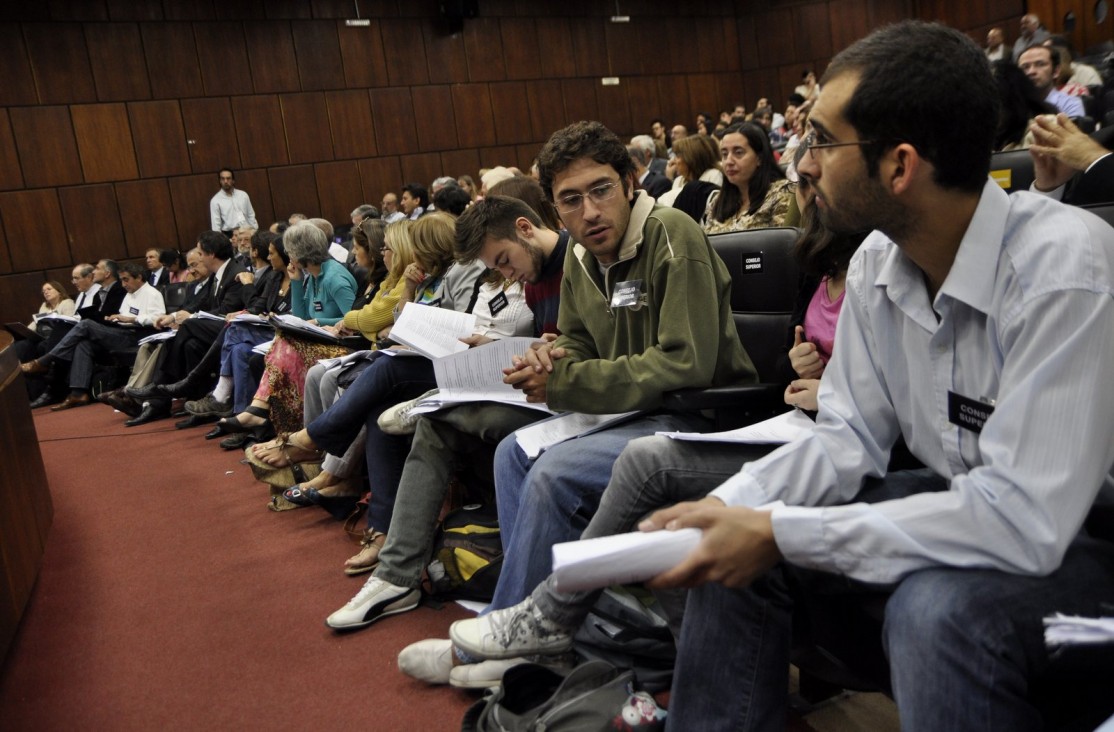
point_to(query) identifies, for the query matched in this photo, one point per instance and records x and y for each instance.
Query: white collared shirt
(1026, 323)
(145, 304)
(229, 210)
(87, 298)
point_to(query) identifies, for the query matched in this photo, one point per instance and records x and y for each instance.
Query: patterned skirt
(284, 378)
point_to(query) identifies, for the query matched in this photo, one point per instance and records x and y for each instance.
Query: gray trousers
(441, 440)
(321, 392)
(81, 345)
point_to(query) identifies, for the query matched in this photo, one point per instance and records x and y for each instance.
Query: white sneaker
(377, 599)
(482, 675)
(430, 660)
(520, 630)
(400, 419)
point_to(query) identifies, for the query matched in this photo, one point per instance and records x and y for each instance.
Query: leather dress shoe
(71, 401)
(43, 400)
(151, 411)
(120, 401)
(34, 367)
(187, 387)
(193, 421)
(140, 393)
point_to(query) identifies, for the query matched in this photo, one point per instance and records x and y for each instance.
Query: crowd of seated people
(626, 300)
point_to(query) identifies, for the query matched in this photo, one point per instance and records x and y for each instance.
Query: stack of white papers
(536, 438)
(774, 431)
(162, 335)
(431, 331)
(590, 564)
(1066, 630)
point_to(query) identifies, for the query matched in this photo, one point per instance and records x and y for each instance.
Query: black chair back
(763, 290)
(1013, 170)
(174, 295)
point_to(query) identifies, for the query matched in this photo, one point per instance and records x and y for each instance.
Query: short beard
(872, 209)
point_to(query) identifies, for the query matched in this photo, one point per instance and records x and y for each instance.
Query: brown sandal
(368, 557)
(289, 453)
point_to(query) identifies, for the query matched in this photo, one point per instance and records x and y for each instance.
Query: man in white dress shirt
(975, 325)
(230, 208)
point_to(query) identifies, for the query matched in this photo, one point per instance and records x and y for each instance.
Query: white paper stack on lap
(590, 564)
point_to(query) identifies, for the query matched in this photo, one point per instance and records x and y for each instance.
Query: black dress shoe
(140, 393)
(187, 387)
(120, 401)
(152, 411)
(44, 400)
(192, 421)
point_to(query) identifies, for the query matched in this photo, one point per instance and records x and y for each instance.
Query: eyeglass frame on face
(565, 205)
(809, 141)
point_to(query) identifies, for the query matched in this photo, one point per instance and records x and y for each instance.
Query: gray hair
(646, 144)
(365, 211)
(306, 244)
(445, 180)
(325, 226)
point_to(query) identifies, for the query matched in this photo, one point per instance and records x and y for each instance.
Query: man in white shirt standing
(142, 305)
(975, 325)
(230, 207)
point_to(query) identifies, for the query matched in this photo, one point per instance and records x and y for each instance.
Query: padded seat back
(174, 295)
(763, 290)
(1013, 170)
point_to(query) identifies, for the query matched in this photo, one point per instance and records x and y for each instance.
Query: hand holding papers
(432, 331)
(590, 564)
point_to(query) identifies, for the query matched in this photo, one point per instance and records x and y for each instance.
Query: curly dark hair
(583, 140)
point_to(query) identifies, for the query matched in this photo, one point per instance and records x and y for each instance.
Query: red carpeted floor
(170, 598)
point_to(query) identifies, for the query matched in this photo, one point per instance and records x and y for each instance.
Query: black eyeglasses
(810, 143)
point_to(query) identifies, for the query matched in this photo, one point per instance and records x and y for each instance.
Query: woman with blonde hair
(698, 175)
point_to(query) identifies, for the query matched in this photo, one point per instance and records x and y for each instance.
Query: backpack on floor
(593, 696)
(467, 554)
(627, 628)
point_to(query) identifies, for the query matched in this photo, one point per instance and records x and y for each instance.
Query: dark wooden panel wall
(115, 115)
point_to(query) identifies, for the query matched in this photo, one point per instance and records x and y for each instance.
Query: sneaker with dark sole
(377, 599)
(401, 418)
(519, 630)
(208, 406)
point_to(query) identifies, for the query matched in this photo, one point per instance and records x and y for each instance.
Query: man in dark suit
(158, 276)
(195, 334)
(653, 183)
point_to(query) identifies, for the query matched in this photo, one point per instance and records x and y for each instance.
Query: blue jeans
(964, 645)
(239, 340)
(549, 500)
(386, 382)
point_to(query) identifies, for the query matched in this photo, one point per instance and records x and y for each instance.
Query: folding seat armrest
(733, 406)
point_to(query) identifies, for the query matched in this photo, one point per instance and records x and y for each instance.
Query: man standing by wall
(230, 207)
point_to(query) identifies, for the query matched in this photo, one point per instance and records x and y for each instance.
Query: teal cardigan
(325, 297)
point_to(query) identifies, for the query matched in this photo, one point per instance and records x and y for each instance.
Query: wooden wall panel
(729, 90)
(776, 37)
(171, 53)
(653, 38)
(124, 10)
(421, 168)
(187, 10)
(445, 56)
(623, 41)
(294, 190)
(20, 295)
(747, 33)
(44, 138)
(546, 107)
(332, 8)
(711, 46)
(526, 154)
(434, 119)
(812, 32)
(484, 50)
(19, 81)
(703, 97)
(555, 46)
(60, 62)
(404, 51)
(307, 125)
(642, 99)
(189, 197)
(5, 257)
(160, 138)
(475, 119)
(500, 155)
(520, 48)
(285, 9)
(338, 189)
(318, 55)
(589, 46)
(614, 107)
(93, 227)
(512, 122)
(580, 99)
(393, 112)
(147, 216)
(223, 58)
(361, 52)
(674, 95)
(209, 125)
(86, 11)
(117, 61)
(256, 183)
(850, 21)
(350, 123)
(270, 47)
(378, 176)
(104, 140)
(33, 228)
(461, 162)
(260, 131)
(10, 174)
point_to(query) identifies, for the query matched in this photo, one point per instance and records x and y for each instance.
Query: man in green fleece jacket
(645, 309)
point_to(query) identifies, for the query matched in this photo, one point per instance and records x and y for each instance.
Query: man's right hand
(1060, 149)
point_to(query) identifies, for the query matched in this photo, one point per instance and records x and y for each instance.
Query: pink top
(820, 320)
